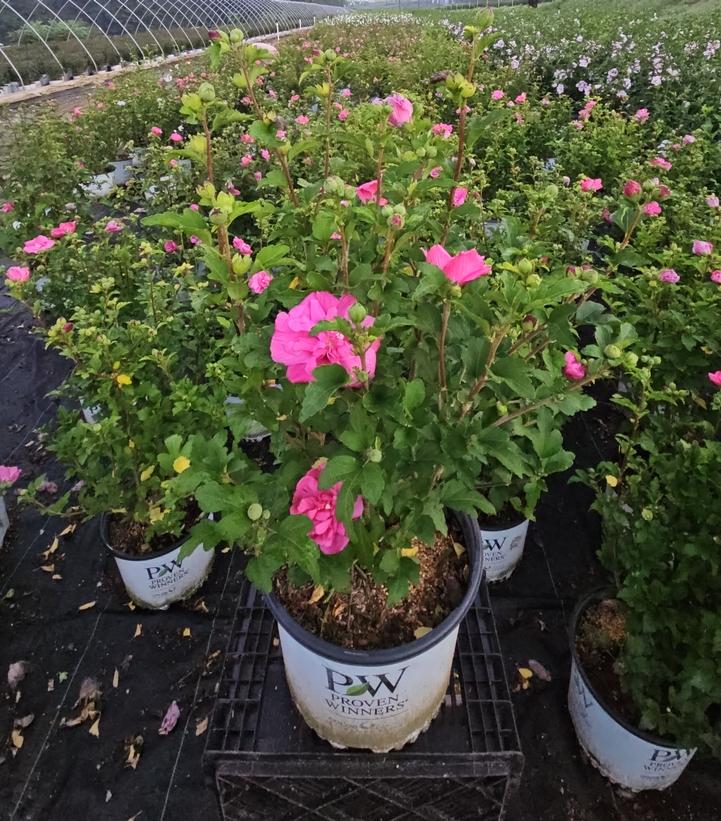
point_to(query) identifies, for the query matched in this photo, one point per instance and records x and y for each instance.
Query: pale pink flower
(716, 276)
(712, 201)
(301, 119)
(688, 139)
(195, 240)
(156, 132)
(714, 377)
(319, 506)
(669, 275)
(114, 227)
(459, 196)
(435, 172)
(176, 137)
(233, 190)
(336, 235)
(442, 130)
(9, 474)
(574, 369)
(280, 134)
(652, 209)
(294, 98)
(521, 98)
(661, 162)
(265, 154)
(664, 192)
(343, 114)
(246, 160)
(497, 94)
(258, 176)
(701, 247)
(63, 229)
(194, 206)
(368, 191)
(169, 246)
(48, 487)
(642, 115)
(591, 184)
(247, 139)
(401, 110)
(242, 246)
(259, 281)
(293, 345)
(461, 268)
(631, 189)
(18, 273)
(38, 244)
(345, 92)
(7, 207)
(170, 719)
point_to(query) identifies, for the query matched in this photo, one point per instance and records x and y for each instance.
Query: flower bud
(206, 92)
(631, 359)
(612, 352)
(375, 455)
(218, 217)
(525, 266)
(255, 511)
(533, 281)
(357, 313)
(236, 36)
(501, 408)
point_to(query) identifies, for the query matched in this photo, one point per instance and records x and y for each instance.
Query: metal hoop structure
(42, 40)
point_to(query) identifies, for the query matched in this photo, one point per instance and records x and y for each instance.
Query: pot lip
(496, 529)
(156, 554)
(403, 652)
(582, 605)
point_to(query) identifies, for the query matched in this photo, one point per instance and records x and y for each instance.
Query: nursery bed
(65, 772)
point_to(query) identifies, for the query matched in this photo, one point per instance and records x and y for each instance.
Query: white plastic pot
(158, 579)
(4, 520)
(503, 549)
(379, 700)
(625, 755)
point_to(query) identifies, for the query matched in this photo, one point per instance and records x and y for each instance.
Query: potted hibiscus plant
(643, 694)
(405, 372)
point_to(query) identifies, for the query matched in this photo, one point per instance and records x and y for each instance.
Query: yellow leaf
(525, 673)
(138, 631)
(294, 283)
(419, 632)
(181, 464)
(95, 729)
(131, 605)
(87, 606)
(116, 678)
(123, 379)
(187, 632)
(409, 552)
(147, 473)
(201, 726)
(17, 739)
(611, 480)
(53, 547)
(460, 550)
(317, 594)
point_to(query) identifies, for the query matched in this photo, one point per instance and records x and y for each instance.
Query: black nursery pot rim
(591, 598)
(343, 655)
(514, 522)
(155, 554)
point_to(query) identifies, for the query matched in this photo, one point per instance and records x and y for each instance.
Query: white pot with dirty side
(379, 700)
(625, 755)
(503, 549)
(157, 580)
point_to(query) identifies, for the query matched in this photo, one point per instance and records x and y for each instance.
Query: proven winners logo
(165, 574)
(364, 695)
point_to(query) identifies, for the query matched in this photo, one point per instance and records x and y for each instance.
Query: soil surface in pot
(600, 636)
(361, 618)
(129, 537)
(507, 518)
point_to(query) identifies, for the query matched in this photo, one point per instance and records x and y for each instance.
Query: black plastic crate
(268, 764)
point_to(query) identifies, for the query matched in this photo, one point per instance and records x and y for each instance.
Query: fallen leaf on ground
(108, 796)
(187, 633)
(69, 529)
(134, 748)
(25, 721)
(137, 815)
(48, 568)
(539, 670)
(95, 729)
(317, 594)
(170, 719)
(131, 605)
(51, 685)
(201, 726)
(46, 554)
(56, 577)
(17, 739)
(523, 679)
(419, 632)
(138, 631)
(62, 677)
(89, 691)
(17, 672)
(409, 552)
(116, 678)
(201, 607)
(88, 605)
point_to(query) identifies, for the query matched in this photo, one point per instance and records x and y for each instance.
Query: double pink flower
(320, 507)
(18, 273)
(38, 244)
(461, 268)
(368, 192)
(591, 184)
(573, 369)
(294, 346)
(401, 110)
(63, 229)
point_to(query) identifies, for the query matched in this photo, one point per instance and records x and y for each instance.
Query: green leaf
(514, 372)
(324, 225)
(329, 378)
(338, 469)
(457, 496)
(414, 394)
(189, 221)
(372, 482)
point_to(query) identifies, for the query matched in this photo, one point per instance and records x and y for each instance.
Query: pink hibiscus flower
(461, 268)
